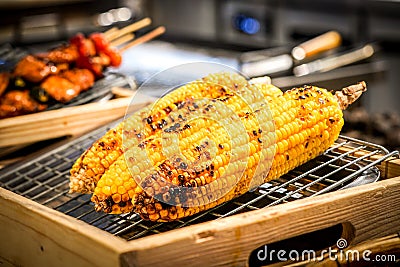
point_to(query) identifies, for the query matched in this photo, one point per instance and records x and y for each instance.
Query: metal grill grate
(45, 180)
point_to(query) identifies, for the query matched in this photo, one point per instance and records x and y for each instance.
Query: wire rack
(45, 180)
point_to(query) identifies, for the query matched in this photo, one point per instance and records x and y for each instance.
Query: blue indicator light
(246, 24)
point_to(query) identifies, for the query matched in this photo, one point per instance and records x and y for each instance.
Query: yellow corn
(191, 135)
(223, 155)
(92, 164)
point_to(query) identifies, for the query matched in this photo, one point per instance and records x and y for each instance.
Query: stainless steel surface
(45, 179)
(279, 22)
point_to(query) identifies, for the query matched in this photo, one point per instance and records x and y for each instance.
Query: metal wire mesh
(45, 180)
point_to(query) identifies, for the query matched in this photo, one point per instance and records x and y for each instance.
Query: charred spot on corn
(180, 104)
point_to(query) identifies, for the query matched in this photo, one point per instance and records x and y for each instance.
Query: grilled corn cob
(163, 162)
(92, 164)
(152, 181)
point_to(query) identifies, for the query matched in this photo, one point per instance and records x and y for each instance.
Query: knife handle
(321, 43)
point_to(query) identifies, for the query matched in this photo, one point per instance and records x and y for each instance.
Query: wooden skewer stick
(145, 38)
(123, 92)
(110, 31)
(130, 28)
(123, 39)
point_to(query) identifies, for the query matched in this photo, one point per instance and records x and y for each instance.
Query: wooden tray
(35, 235)
(69, 121)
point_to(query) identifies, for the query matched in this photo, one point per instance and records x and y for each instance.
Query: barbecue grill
(41, 184)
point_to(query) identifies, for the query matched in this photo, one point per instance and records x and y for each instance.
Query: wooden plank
(66, 121)
(390, 168)
(34, 235)
(370, 210)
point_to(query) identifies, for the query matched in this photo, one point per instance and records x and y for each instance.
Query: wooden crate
(35, 235)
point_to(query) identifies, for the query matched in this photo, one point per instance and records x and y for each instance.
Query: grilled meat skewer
(68, 84)
(15, 103)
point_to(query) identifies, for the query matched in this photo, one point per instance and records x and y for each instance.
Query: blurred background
(242, 35)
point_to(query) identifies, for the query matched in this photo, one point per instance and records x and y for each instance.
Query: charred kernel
(109, 202)
(259, 131)
(221, 146)
(183, 165)
(287, 156)
(181, 178)
(149, 120)
(306, 145)
(180, 104)
(132, 159)
(259, 140)
(116, 198)
(168, 109)
(302, 97)
(254, 132)
(178, 159)
(187, 126)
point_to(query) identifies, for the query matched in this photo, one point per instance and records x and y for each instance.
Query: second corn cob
(307, 121)
(92, 164)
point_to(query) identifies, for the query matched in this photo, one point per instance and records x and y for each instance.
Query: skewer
(130, 28)
(123, 39)
(110, 31)
(123, 92)
(145, 38)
